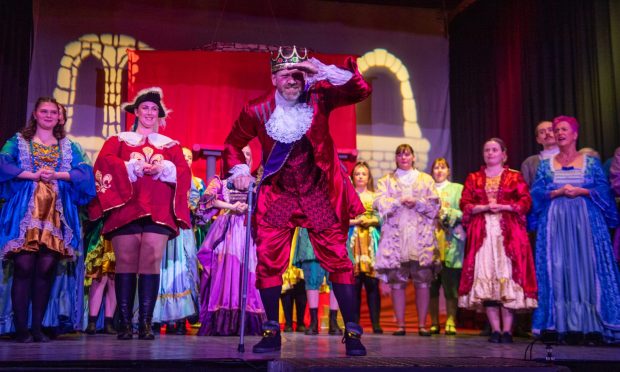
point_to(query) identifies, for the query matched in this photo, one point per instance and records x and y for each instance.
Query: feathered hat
(153, 94)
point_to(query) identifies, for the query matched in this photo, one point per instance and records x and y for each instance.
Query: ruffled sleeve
(451, 215)
(521, 200)
(468, 199)
(82, 177)
(9, 156)
(614, 172)
(540, 193)
(600, 191)
(429, 204)
(340, 89)
(168, 173)
(206, 208)
(9, 168)
(385, 203)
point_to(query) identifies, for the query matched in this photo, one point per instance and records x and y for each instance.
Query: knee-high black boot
(125, 288)
(148, 288)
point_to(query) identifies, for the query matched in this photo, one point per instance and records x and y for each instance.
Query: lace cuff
(239, 170)
(335, 75)
(168, 172)
(134, 169)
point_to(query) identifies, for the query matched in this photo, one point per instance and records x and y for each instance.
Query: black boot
(333, 323)
(148, 288)
(181, 328)
(23, 337)
(301, 327)
(91, 328)
(125, 288)
(301, 300)
(171, 328)
(287, 306)
(271, 341)
(313, 328)
(353, 340)
(373, 297)
(108, 326)
(39, 336)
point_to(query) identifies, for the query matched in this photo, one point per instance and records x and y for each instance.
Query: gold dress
(44, 211)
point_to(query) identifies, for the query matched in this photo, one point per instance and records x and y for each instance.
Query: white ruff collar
(441, 185)
(289, 124)
(407, 176)
(158, 140)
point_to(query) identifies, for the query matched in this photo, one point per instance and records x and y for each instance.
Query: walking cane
(246, 266)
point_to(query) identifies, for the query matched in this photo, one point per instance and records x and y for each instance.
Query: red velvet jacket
(324, 97)
(121, 201)
(512, 191)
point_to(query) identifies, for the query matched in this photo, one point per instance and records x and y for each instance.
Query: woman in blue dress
(44, 178)
(578, 281)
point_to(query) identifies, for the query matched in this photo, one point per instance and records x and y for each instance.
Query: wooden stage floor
(102, 352)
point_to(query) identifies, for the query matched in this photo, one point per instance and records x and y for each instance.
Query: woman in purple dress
(221, 256)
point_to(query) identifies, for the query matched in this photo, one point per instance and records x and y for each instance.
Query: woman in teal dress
(44, 178)
(578, 281)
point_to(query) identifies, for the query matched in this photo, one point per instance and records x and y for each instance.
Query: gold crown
(281, 61)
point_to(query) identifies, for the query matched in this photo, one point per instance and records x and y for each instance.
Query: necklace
(565, 160)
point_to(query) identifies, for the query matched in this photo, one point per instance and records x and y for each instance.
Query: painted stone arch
(378, 151)
(111, 51)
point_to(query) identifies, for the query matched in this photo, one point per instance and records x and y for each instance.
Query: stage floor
(81, 350)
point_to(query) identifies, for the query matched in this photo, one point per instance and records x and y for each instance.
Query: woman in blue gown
(44, 178)
(578, 281)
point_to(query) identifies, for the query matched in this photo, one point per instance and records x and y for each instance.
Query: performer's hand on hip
(242, 182)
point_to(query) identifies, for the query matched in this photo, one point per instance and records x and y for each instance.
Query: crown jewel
(287, 56)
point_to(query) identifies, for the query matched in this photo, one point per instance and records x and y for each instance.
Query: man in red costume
(303, 183)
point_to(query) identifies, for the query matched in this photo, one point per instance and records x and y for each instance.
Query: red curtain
(206, 91)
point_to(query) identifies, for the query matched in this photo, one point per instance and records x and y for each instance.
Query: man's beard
(290, 95)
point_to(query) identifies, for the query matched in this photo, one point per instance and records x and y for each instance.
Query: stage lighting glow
(374, 147)
(111, 51)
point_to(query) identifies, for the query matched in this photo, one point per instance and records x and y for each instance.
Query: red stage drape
(206, 91)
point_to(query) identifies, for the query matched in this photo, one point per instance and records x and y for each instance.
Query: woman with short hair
(579, 282)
